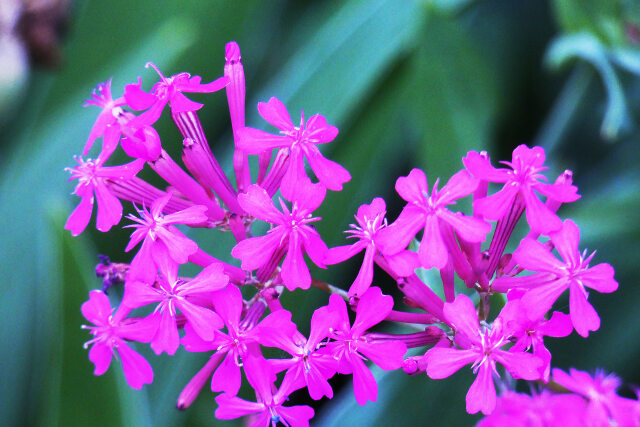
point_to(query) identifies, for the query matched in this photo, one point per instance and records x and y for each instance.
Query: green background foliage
(409, 84)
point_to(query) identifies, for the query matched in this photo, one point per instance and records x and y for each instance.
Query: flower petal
(364, 384)
(342, 253)
(365, 274)
(257, 203)
(387, 355)
(482, 393)
(100, 355)
(469, 228)
(460, 185)
(227, 377)
(166, 338)
(294, 272)
(137, 370)
(256, 251)
(228, 304)
(413, 187)
(331, 174)
(396, 237)
(520, 365)
(495, 206)
(81, 215)
(231, 407)
(318, 131)
(442, 362)
(539, 300)
(203, 321)
(97, 309)
(533, 255)
(539, 217)
(276, 114)
(583, 315)
(461, 314)
(480, 167)
(600, 278)
(373, 307)
(255, 141)
(432, 251)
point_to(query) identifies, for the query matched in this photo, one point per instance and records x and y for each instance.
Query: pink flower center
(86, 172)
(524, 173)
(367, 227)
(102, 333)
(300, 135)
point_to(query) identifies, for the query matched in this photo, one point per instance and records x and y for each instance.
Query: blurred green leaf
(587, 48)
(628, 59)
(454, 98)
(603, 19)
(328, 74)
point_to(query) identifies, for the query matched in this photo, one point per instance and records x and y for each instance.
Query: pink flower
(140, 140)
(292, 233)
(269, 410)
(168, 90)
(311, 365)
(544, 409)
(174, 294)
(111, 109)
(528, 332)
(482, 347)
(238, 343)
(430, 213)
(352, 345)
(555, 276)
(301, 141)
(521, 181)
(92, 178)
(371, 219)
(110, 334)
(604, 406)
(160, 238)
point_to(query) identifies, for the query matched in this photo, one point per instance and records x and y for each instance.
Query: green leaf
(587, 48)
(454, 98)
(603, 19)
(341, 60)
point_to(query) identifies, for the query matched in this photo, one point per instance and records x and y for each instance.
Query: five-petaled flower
(92, 178)
(554, 276)
(292, 234)
(429, 212)
(301, 141)
(160, 238)
(110, 332)
(481, 346)
(521, 181)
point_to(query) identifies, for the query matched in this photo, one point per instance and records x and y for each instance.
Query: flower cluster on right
(209, 312)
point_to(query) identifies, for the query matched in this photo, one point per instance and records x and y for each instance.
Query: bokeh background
(408, 83)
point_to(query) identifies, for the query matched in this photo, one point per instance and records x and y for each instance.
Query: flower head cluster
(209, 312)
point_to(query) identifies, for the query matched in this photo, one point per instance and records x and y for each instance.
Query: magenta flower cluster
(208, 313)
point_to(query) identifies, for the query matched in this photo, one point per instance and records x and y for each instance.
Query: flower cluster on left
(209, 308)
